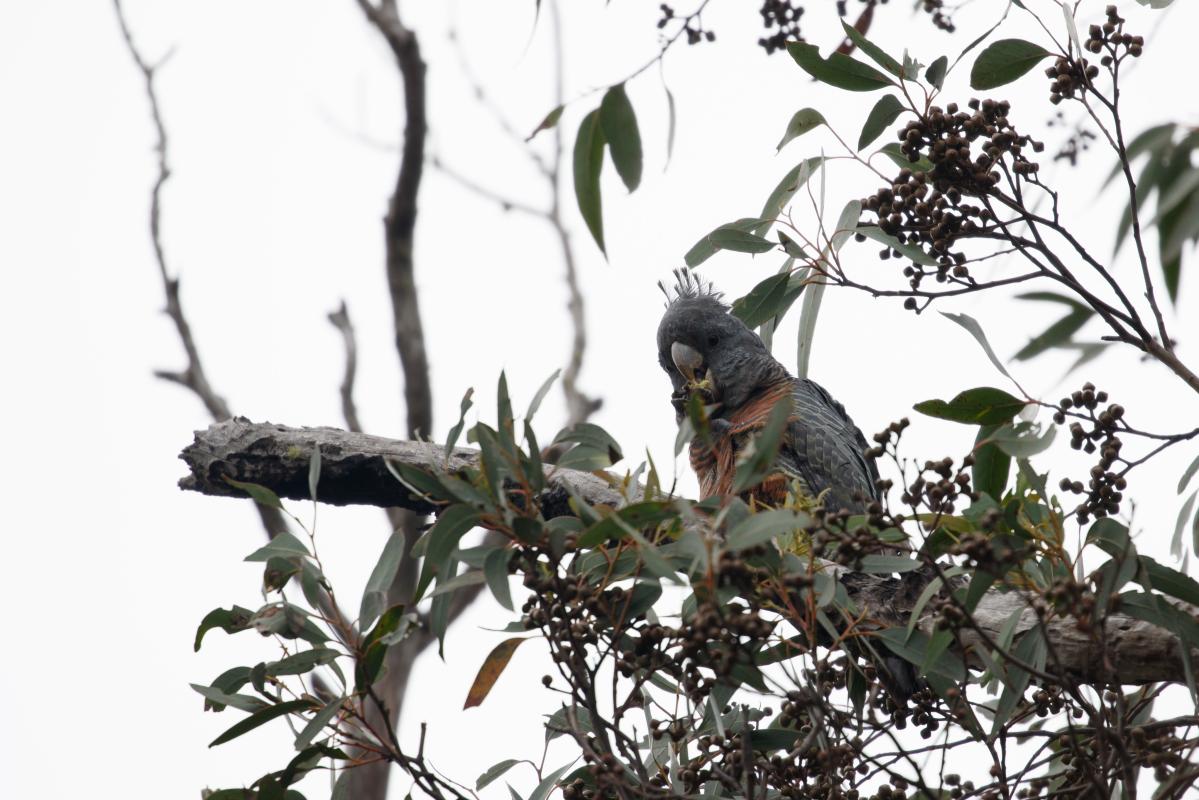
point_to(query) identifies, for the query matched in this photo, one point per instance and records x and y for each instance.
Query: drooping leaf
(1003, 61)
(914, 648)
(619, 124)
(838, 69)
(809, 310)
(767, 740)
(847, 224)
(594, 448)
(229, 620)
(975, 330)
(495, 570)
(1187, 474)
(984, 405)
(1031, 650)
(314, 472)
(217, 699)
(302, 662)
(781, 195)
(588, 160)
(885, 111)
(885, 565)
(493, 666)
(991, 465)
(801, 122)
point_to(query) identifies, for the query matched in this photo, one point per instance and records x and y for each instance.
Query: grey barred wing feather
(825, 450)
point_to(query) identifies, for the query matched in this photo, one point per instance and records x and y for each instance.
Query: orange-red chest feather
(715, 462)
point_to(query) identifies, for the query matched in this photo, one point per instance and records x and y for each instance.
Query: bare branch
(341, 320)
(354, 471)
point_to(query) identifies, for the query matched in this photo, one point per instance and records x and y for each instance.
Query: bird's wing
(826, 450)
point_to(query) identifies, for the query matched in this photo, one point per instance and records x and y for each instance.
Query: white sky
(273, 215)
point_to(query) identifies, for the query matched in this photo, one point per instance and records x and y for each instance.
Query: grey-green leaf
(374, 597)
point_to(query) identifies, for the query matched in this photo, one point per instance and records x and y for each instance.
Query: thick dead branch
(354, 471)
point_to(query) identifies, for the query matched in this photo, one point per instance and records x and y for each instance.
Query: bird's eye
(712, 340)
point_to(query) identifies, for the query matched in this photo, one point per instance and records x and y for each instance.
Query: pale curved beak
(687, 360)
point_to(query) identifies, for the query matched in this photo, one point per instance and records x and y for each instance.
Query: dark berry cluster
(1068, 77)
(938, 487)
(1110, 39)
(941, 18)
(692, 25)
(1104, 491)
(780, 18)
(962, 153)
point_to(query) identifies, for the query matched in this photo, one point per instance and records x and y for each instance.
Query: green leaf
(495, 771)
(456, 582)
(758, 459)
(1031, 650)
(261, 494)
(229, 620)
(374, 597)
(801, 122)
(282, 545)
(838, 69)
(1003, 61)
(619, 124)
(588, 160)
(549, 121)
(764, 301)
(981, 406)
(991, 465)
(546, 786)
(975, 330)
(260, 718)
(935, 74)
(1056, 334)
(769, 739)
(1053, 297)
(705, 248)
(885, 111)
(452, 524)
(873, 51)
(1158, 4)
(763, 526)
(909, 251)
(847, 224)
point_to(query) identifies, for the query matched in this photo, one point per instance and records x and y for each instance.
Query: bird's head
(704, 348)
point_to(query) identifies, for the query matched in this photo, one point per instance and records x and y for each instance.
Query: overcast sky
(283, 117)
